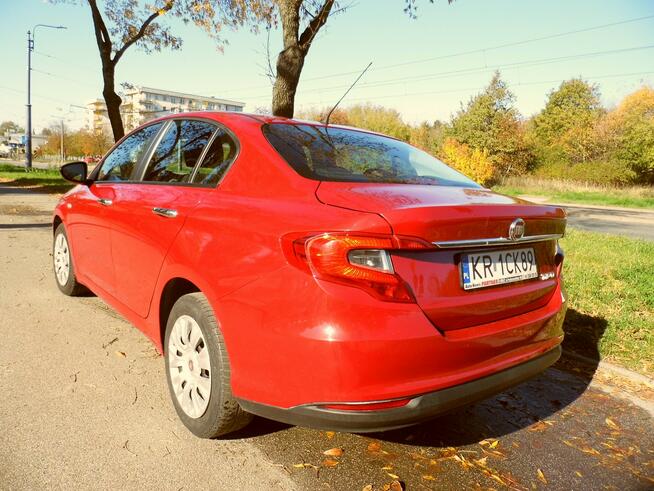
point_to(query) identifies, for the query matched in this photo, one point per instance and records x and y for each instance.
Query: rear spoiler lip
(496, 241)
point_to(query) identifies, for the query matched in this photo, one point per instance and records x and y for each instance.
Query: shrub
(474, 163)
(603, 173)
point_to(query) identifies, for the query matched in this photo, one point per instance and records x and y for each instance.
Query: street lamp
(28, 130)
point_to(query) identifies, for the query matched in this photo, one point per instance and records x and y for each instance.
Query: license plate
(489, 268)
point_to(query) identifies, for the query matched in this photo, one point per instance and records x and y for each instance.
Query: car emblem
(517, 229)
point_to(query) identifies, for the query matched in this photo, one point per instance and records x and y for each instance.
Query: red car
(317, 275)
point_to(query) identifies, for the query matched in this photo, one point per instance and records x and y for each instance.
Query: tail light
(357, 260)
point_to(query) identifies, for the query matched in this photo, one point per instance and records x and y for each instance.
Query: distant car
(317, 275)
(5, 151)
(91, 159)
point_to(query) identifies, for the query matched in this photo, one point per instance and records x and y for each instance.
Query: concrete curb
(610, 367)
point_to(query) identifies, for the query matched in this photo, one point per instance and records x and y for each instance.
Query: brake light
(357, 260)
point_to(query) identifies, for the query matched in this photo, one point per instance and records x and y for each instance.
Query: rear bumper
(419, 409)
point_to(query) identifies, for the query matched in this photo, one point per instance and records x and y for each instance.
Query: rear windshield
(338, 154)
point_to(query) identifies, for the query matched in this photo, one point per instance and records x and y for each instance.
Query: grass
(572, 192)
(40, 180)
(610, 283)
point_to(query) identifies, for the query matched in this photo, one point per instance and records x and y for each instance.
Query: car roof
(236, 117)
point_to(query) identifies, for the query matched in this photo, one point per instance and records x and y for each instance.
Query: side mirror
(75, 172)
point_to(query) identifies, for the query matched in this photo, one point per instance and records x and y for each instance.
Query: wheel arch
(172, 291)
(56, 221)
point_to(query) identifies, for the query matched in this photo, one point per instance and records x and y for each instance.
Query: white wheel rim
(61, 259)
(190, 366)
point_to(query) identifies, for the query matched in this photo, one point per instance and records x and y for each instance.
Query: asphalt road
(84, 405)
(634, 223)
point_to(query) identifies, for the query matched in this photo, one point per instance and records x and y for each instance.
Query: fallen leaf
(428, 477)
(387, 468)
(330, 434)
(121, 354)
(367, 487)
(374, 447)
(330, 463)
(541, 476)
(333, 452)
(540, 426)
(396, 486)
(393, 476)
(303, 466)
(611, 424)
(482, 461)
(494, 444)
(578, 474)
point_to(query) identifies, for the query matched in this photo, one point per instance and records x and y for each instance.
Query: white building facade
(142, 104)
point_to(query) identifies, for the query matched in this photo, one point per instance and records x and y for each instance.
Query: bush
(473, 163)
(602, 173)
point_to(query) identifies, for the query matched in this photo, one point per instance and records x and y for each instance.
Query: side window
(178, 151)
(221, 153)
(120, 163)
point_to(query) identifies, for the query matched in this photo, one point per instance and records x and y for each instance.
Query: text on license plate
(490, 268)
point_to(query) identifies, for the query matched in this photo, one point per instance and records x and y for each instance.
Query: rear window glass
(338, 154)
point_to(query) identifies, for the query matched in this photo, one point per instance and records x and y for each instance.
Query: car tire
(62, 262)
(198, 370)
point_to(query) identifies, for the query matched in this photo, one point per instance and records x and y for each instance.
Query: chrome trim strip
(453, 244)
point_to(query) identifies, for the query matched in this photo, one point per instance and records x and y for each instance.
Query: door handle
(164, 212)
(105, 202)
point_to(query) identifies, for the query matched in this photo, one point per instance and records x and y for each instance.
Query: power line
(518, 84)
(471, 70)
(469, 52)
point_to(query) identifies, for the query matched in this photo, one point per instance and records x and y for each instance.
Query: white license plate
(488, 268)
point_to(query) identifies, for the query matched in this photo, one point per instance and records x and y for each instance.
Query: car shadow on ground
(513, 410)
(5, 226)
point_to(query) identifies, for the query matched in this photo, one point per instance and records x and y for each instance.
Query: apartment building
(142, 104)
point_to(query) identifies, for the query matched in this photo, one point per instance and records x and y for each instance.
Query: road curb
(610, 367)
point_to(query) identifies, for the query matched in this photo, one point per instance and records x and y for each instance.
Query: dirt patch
(22, 210)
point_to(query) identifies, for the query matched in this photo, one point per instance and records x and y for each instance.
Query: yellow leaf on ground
(396, 486)
(330, 463)
(541, 476)
(367, 487)
(579, 474)
(393, 476)
(611, 424)
(428, 477)
(121, 354)
(333, 452)
(387, 468)
(482, 461)
(494, 444)
(330, 434)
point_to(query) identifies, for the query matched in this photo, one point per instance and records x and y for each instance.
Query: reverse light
(357, 260)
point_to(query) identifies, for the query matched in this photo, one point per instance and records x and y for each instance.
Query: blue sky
(371, 30)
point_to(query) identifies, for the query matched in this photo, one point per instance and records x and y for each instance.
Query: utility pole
(62, 141)
(28, 126)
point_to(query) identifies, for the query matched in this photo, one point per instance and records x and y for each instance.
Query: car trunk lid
(459, 221)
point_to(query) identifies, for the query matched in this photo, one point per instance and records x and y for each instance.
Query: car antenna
(346, 93)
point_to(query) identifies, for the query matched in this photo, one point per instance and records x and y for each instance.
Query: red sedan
(317, 275)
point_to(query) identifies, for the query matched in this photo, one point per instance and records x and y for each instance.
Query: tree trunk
(113, 101)
(289, 67)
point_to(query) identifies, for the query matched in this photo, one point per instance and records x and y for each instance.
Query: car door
(90, 212)
(148, 215)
